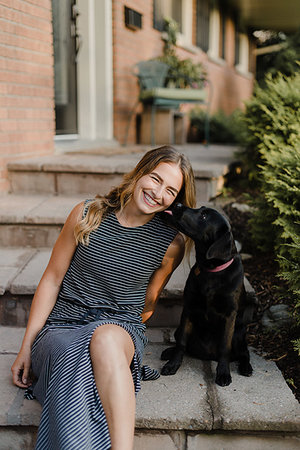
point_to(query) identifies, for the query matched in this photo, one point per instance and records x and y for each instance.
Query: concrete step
(33, 220)
(21, 270)
(90, 174)
(187, 411)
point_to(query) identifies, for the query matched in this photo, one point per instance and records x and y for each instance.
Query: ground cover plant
(272, 163)
(223, 128)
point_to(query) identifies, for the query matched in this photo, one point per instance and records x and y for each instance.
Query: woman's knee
(111, 344)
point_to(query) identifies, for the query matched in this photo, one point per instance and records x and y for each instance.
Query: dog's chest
(213, 297)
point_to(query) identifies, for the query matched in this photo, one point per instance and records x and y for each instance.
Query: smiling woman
(85, 336)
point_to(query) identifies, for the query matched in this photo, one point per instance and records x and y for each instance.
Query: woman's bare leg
(112, 350)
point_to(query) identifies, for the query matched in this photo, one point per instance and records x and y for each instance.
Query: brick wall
(27, 125)
(229, 87)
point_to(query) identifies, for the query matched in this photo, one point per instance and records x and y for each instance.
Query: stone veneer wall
(27, 123)
(230, 88)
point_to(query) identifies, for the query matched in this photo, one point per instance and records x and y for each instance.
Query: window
(181, 11)
(222, 34)
(167, 8)
(203, 18)
(236, 47)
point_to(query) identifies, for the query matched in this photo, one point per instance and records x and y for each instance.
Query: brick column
(27, 125)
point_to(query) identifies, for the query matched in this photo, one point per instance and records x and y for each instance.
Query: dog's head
(209, 229)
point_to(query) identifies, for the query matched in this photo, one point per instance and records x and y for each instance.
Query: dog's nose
(177, 207)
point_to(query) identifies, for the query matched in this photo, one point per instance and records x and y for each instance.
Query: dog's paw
(168, 353)
(223, 379)
(245, 369)
(169, 369)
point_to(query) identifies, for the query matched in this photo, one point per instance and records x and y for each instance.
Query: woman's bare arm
(46, 294)
(161, 276)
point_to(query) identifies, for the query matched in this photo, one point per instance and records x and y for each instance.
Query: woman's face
(156, 191)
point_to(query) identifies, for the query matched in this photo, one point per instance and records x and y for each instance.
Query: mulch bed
(261, 272)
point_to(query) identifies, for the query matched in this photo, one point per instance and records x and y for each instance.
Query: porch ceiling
(281, 15)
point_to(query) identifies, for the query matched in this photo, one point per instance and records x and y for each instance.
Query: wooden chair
(152, 77)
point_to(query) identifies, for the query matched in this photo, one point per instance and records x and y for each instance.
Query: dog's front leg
(175, 354)
(223, 377)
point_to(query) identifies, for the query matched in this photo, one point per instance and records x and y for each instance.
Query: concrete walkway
(184, 411)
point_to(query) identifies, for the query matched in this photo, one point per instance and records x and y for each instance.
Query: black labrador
(216, 307)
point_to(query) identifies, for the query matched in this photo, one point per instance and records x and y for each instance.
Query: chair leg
(206, 129)
(128, 123)
(153, 111)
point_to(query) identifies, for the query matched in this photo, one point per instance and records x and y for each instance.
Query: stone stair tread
(26, 266)
(189, 400)
(22, 268)
(36, 209)
(212, 161)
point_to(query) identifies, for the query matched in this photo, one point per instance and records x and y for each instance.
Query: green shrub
(273, 116)
(224, 129)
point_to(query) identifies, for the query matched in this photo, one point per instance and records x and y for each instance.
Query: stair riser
(87, 184)
(24, 438)
(33, 236)
(14, 311)
(62, 183)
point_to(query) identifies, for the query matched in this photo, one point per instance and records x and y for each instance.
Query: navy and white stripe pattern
(105, 284)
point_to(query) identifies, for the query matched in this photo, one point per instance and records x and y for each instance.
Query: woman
(85, 334)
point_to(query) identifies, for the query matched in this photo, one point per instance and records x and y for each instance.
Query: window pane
(222, 34)
(202, 34)
(166, 8)
(177, 12)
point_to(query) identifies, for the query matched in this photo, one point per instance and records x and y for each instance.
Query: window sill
(216, 59)
(183, 43)
(243, 72)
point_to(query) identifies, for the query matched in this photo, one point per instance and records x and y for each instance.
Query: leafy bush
(284, 61)
(273, 116)
(224, 129)
(182, 73)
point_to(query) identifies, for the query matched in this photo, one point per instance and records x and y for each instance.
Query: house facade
(66, 80)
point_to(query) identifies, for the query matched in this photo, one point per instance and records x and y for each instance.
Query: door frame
(94, 77)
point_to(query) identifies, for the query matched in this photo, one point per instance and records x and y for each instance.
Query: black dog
(216, 309)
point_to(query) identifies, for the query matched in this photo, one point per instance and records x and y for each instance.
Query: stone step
(33, 220)
(21, 270)
(187, 411)
(89, 174)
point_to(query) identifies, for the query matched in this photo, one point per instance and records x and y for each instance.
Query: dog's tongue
(168, 212)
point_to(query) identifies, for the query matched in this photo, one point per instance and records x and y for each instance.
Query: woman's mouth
(149, 200)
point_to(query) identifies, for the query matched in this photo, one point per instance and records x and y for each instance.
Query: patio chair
(152, 77)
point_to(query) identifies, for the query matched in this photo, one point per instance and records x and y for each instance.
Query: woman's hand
(21, 367)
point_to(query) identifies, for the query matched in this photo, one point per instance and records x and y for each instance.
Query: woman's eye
(171, 192)
(154, 178)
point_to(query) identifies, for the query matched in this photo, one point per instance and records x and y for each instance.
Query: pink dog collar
(222, 267)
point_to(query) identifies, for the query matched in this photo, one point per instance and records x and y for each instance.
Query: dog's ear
(222, 248)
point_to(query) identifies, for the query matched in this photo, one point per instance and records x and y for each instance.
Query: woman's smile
(150, 200)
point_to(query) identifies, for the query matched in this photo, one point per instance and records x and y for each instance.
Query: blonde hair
(120, 196)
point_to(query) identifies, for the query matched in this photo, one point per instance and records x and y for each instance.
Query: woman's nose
(157, 192)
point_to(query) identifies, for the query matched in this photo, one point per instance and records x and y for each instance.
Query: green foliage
(283, 61)
(224, 129)
(183, 73)
(273, 153)
(272, 113)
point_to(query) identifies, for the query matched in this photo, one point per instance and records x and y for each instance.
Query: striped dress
(105, 284)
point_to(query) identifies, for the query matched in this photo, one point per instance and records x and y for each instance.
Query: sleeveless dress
(106, 283)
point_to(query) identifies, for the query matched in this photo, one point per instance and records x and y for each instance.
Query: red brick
(25, 19)
(20, 30)
(33, 45)
(26, 55)
(27, 8)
